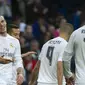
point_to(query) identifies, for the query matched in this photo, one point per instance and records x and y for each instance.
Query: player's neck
(64, 36)
(3, 34)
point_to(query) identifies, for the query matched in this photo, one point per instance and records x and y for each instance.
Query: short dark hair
(11, 26)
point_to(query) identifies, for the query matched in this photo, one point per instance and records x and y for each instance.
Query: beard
(3, 32)
(3, 29)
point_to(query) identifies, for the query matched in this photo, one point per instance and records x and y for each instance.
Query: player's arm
(67, 73)
(66, 68)
(18, 60)
(60, 63)
(28, 53)
(68, 53)
(5, 60)
(60, 72)
(19, 64)
(34, 74)
(36, 69)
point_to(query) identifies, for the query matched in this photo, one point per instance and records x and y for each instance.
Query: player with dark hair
(14, 31)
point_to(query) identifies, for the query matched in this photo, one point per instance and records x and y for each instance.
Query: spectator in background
(32, 9)
(28, 33)
(20, 22)
(29, 12)
(39, 7)
(31, 62)
(5, 9)
(54, 25)
(34, 46)
(16, 20)
(24, 45)
(22, 26)
(51, 29)
(47, 37)
(76, 19)
(21, 6)
(39, 29)
(15, 8)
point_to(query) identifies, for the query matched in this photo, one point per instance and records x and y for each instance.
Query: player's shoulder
(78, 31)
(82, 27)
(12, 38)
(60, 39)
(63, 41)
(57, 40)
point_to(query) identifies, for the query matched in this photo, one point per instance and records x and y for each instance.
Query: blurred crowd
(38, 24)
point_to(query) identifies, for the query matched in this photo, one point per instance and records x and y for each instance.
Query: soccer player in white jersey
(76, 47)
(9, 49)
(14, 31)
(49, 64)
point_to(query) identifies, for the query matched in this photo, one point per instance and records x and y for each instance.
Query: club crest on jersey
(11, 45)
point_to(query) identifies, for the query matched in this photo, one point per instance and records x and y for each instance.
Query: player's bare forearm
(5, 60)
(60, 72)
(28, 53)
(33, 79)
(34, 74)
(70, 81)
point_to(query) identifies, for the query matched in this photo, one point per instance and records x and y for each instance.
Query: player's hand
(31, 83)
(70, 81)
(20, 79)
(5, 61)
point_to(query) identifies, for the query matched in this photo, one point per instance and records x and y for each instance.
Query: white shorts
(46, 84)
(49, 84)
(79, 84)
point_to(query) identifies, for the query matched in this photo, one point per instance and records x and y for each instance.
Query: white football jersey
(76, 47)
(9, 48)
(50, 54)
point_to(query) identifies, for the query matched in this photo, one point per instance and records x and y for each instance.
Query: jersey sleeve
(18, 59)
(69, 50)
(68, 53)
(62, 51)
